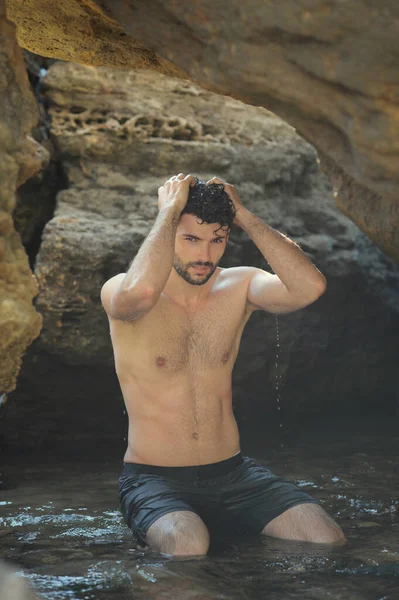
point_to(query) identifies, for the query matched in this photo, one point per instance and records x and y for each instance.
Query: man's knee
(307, 523)
(331, 535)
(181, 533)
(322, 528)
(188, 545)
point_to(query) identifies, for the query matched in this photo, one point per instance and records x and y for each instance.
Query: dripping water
(278, 377)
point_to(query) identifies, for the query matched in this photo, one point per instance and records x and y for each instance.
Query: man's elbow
(319, 288)
(314, 292)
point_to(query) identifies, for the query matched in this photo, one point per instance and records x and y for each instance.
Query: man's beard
(183, 270)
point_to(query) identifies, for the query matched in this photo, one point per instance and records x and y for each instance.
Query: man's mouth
(201, 269)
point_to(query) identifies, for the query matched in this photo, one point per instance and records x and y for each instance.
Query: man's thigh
(305, 522)
(254, 497)
(144, 499)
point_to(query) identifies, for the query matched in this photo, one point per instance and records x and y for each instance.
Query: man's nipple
(225, 357)
(161, 361)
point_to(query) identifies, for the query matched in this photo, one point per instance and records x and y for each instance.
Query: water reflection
(61, 527)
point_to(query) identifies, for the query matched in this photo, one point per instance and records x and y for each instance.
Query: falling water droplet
(278, 375)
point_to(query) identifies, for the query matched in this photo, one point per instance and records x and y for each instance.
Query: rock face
(80, 31)
(120, 135)
(330, 69)
(20, 158)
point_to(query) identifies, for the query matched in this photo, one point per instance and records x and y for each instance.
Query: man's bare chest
(173, 338)
(206, 335)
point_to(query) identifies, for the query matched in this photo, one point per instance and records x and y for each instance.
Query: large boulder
(120, 135)
(330, 69)
(20, 158)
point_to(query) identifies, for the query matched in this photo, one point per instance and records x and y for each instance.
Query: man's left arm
(296, 283)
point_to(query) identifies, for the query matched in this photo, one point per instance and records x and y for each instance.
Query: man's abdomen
(183, 435)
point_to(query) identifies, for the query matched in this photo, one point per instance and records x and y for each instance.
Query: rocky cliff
(330, 69)
(20, 158)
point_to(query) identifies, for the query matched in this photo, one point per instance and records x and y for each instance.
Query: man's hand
(231, 192)
(175, 191)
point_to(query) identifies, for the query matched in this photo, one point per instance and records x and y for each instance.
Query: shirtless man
(176, 320)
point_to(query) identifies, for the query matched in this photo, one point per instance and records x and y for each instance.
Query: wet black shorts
(236, 495)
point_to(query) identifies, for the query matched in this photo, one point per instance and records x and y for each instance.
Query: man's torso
(174, 367)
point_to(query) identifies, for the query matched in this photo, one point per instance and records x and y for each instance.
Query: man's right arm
(142, 285)
(151, 266)
(137, 292)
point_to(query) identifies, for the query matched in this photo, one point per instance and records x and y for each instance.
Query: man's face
(198, 246)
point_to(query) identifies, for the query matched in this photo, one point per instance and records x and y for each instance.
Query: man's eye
(219, 240)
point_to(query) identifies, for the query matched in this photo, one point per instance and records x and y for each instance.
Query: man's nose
(204, 256)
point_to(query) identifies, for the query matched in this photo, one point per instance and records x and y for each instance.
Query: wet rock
(54, 556)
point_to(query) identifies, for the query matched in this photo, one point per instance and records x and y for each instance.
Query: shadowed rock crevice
(36, 198)
(35, 205)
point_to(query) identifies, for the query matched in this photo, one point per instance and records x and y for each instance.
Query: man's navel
(161, 361)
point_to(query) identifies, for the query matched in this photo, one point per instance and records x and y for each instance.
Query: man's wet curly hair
(210, 203)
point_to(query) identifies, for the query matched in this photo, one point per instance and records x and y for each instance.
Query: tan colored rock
(20, 157)
(79, 31)
(330, 69)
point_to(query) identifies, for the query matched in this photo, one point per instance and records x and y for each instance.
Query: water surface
(62, 529)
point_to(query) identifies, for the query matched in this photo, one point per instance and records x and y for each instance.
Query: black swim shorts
(236, 495)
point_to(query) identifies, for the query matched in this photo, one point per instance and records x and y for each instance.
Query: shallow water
(61, 527)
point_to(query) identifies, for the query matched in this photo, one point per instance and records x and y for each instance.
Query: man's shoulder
(241, 272)
(235, 277)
